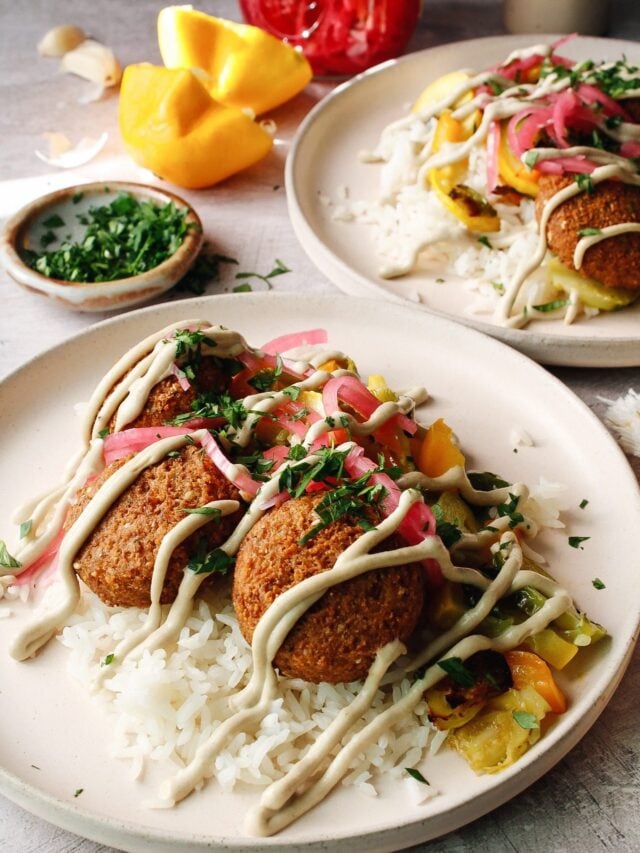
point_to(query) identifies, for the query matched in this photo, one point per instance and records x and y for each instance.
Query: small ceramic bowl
(26, 229)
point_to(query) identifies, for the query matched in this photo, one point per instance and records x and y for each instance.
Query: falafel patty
(614, 262)
(337, 638)
(116, 561)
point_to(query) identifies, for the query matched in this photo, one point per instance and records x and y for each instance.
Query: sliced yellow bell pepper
(472, 209)
(438, 451)
(513, 171)
(171, 125)
(439, 89)
(245, 66)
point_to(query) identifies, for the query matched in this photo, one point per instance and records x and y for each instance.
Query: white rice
(168, 703)
(623, 418)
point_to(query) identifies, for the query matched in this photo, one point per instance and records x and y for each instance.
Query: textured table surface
(590, 801)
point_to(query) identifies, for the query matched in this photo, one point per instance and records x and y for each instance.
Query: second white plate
(324, 158)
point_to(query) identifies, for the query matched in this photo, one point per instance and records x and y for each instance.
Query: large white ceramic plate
(55, 741)
(324, 158)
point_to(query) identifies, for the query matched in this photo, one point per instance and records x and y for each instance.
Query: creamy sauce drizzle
(311, 779)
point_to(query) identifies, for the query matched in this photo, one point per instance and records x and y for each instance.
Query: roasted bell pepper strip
(465, 204)
(513, 171)
(245, 66)
(438, 453)
(171, 125)
(529, 669)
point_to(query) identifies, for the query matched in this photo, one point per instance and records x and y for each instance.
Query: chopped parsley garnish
(576, 541)
(243, 288)
(297, 452)
(598, 584)
(327, 465)
(531, 158)
(25, 528)
(510, 509)
(583, 503)
(293, 391)
(589, 232)
(554, 305)
(103, 433)
(204, 271)
(585, 183)
(525, 719)
(279, 269)
(53, 221)
(484, 240)
(457, 671)
(485, 481)
(257, 465)
(211, 404)
(213, 511)
(206, 562)
(264, 380)
(416, 774)
(353, 498)
(123, 238)
(6, 560)
(109, 659)
(77, 792)
(498, 287)
(446, 530)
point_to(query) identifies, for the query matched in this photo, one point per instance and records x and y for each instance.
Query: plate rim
(585, 351)
(134, 837)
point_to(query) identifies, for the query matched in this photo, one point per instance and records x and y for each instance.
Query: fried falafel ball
(168, 399)
(116, 561)
(337, 638)
(614, 262)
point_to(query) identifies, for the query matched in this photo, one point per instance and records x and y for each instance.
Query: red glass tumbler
(338, 37)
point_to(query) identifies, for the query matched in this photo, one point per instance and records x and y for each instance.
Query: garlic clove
(93, 61)
(60, 40)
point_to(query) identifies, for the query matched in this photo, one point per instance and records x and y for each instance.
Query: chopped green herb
(213, 511)
(54, 221)
(598, 584)
(498, 287)
(531, 158)
(103, 432)
(76, 198)
(510, 509)
(485, 481)
(278, 269)
(484, 240)
(123, 238)
(416, 774)
(583, 503)
(25, 528)
(439, 281)
(293, 391)
(589, 232)
(457, 671)
(206, 270)
(585, 183)
(297, 452)
(214, 405)
(206, 562)
(576, 541)
(554, 305)
(243, 288)
(525, 719)
(109, 659)
(6, 560)
(173, 454)
(77, 792)
(46, 240)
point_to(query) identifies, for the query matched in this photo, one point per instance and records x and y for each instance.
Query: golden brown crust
(167, 399)
(116, 561)
(614, 262)
(337, 638)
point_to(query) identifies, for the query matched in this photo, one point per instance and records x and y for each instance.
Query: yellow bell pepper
(245, 66)
(513, 171)
(472, 209)
(438, 452)
(171, 125)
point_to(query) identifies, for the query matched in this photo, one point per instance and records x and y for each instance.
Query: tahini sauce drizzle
(301, 788)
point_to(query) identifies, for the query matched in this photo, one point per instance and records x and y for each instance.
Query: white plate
(55, 741)
(324, 158)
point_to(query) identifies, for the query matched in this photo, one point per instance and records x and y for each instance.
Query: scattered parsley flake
(531, 158)
(598, 584)
(525, 719)
(457, 671)
(585, 183)
(243, 288)
(589, 232)
(207, 562)
(53, 221)
(6, 560)
(485, 241)
(213, 511)
(554, 305)
(279, 269)
(576, 541)
(25, 528)
(583, 503)
(109, 659)
(77, 792)
(416, 774)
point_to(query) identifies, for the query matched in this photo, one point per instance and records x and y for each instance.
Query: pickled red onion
(181, 376)
(355, 394)
(284, 343)
(236, 474)
(29, 571)
(120, 444)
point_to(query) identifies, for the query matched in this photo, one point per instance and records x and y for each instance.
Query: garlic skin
(93, 61)
(60, 40)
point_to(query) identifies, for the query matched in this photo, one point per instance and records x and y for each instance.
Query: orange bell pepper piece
(513, 171)
(245, 66)
(171, 125)
(438, 453)
(529, 669)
